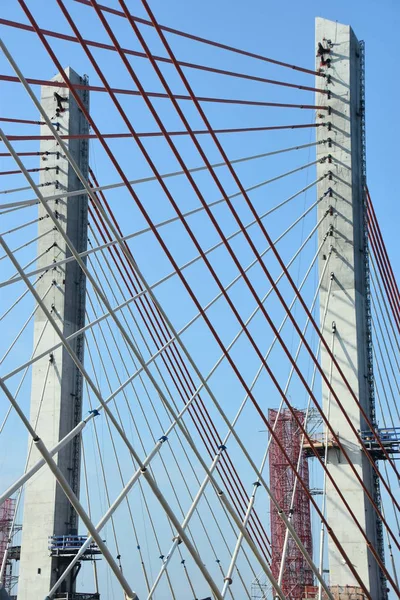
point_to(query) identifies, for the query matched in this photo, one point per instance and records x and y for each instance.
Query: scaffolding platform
(14, 553)
(339, 592)
(77, 596)
(69, 545)
(318, 443)
(389, 438)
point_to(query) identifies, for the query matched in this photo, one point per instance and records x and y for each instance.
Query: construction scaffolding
(296, 574)
(7, 512)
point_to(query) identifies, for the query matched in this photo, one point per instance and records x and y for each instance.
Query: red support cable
(25, 121)
(240, 224)
(71, 38)
(382, 272)
(111, 35)
(205, 40)
(145, 134)
(124, 91)
(383, 260)
(18, 172)
(387, 269)
(383, 249)
(256, 216)
(232, 363)
(177, 154)
(238, 220)
(204, 416)
(7, 154)
(387, 290)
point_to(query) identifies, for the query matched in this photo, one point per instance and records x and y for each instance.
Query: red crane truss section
(297, 573)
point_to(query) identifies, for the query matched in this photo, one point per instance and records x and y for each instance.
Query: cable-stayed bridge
(200, 366)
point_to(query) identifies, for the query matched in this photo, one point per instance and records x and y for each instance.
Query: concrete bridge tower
(341, 57)
(56, 396)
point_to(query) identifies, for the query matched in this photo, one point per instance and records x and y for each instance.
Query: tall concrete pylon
(56, 396)
(348, 302)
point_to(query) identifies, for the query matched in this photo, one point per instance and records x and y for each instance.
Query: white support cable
(197, 391)
(113, 186)
(228, 577)
(5, 556)
(21, 203)
(83, 423)
(142, 445)
(70, 494)
(26, 244)
(162, 312)
(19, 227)
(100, 456)
(162, 224)
(389, 360)
(176, 539)
(10, 308)
(24, 326)
(286, 540)
(45, 453)
(240, 538)
(383, 296)
(157, 417)
(394, 569)
(383, 386)
(152, 287)
(39, 339)
(323, 507)
(256, 485)
(14, 278)
(10, 210)
(191, 510)
(37, 466)
(85, 478)
(65, 486)
(100, 269)
(128, 327)
(388, 336)
(108, 500)
(137, 433)
(128, 406)
(111, 510)
(159, 422)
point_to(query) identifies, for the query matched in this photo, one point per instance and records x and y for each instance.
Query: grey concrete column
(56, 401)
(347, 304)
